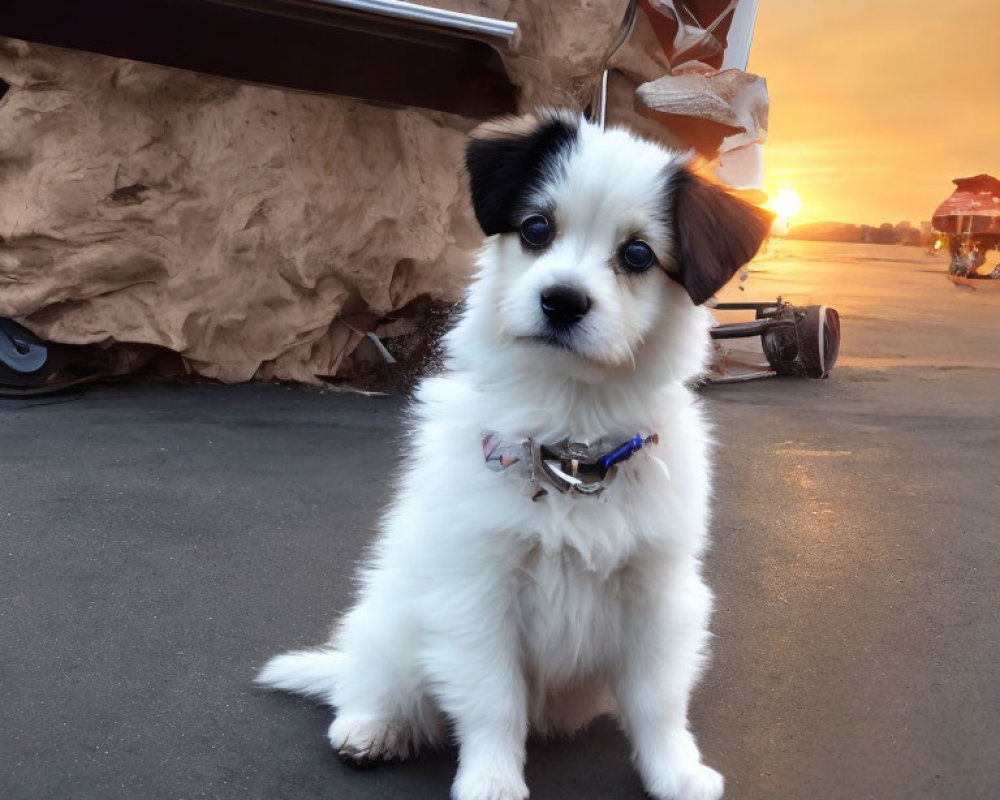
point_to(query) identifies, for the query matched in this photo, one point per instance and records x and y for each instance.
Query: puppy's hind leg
(368, 674)
(359, 736)
(658, 668)
(382, 709)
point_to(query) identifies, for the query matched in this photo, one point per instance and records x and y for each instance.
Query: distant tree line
(886, 233)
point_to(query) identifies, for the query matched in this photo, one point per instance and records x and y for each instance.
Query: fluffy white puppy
(531, 573)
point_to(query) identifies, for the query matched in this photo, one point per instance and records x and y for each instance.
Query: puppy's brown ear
(716, 234)
(508, 158)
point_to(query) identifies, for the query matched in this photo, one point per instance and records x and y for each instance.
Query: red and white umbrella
(973, 209)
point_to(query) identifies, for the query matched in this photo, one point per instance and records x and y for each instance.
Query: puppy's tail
(313, 673)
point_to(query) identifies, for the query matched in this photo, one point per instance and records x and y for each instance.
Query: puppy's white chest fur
(568, 613)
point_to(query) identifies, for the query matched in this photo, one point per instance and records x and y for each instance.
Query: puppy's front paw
(361, 741)
(471, 786)
(688, 782)
(673, 770)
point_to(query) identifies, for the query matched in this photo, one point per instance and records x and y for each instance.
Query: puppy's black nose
(564, 305)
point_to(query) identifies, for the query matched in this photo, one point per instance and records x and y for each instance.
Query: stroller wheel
(810, 349)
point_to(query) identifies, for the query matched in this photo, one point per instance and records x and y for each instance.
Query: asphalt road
(158, 543)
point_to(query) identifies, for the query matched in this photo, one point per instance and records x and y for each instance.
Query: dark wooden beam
(298, 45)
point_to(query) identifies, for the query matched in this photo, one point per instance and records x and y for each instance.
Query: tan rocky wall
(253, 230)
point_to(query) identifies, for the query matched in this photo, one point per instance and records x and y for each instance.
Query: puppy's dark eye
(537, 230)
(638, 256)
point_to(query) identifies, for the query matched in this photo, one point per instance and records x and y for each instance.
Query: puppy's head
(601, 239)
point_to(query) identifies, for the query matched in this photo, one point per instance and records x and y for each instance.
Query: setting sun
(786, 204)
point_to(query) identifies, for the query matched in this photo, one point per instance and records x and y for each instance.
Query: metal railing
(496, 32)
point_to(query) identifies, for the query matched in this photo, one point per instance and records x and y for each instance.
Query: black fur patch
(716, 233)
(503, 170)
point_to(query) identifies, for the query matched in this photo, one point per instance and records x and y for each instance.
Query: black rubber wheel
(808, 348)
(819, 339)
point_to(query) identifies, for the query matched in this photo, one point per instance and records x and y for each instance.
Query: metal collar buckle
(569, 467)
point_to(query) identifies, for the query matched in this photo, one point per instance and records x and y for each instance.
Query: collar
(569, 467)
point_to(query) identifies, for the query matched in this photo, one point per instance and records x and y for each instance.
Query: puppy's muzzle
(564, 306)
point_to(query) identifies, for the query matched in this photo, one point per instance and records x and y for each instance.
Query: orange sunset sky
(877, 104)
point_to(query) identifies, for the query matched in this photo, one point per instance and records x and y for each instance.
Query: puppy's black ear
(510, 157)
(716, 234)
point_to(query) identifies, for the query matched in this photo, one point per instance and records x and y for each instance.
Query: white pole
(737, 53)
